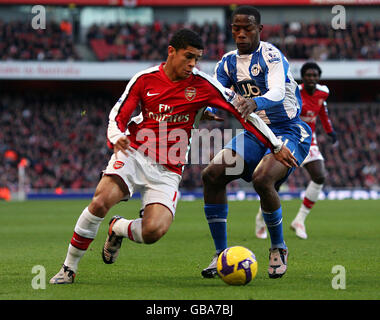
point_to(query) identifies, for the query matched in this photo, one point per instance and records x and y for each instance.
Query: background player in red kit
(314, 105)
(172, 98)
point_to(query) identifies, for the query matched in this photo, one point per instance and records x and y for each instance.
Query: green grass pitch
(344, 233)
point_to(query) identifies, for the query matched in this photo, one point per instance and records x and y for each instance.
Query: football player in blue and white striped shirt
(259, 72)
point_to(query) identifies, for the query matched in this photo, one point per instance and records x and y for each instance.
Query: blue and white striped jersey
(263, 75)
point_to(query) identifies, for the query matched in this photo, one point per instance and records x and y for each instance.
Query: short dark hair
(184, 38)
(310, 65)
(249, 11)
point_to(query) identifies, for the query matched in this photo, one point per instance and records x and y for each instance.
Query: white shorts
(156, 183)
(313, 155)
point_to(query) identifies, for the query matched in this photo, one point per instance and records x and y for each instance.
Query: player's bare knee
(319, 179)
(152, 233)
(261, 182)
(98, 207)
(211, 175)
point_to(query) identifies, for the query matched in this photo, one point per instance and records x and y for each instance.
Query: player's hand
(286, 157)
(245, 106)
(123, 144)
(334, 138)
(209, 116)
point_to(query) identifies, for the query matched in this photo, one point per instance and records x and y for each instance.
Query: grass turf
(342, 233)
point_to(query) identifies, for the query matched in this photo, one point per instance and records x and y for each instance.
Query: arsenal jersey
(314, 106)
(169, 112)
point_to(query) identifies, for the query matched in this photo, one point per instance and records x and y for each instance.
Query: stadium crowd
(64, 140)
(19, 41)
(315, 40)
(133, 41)
(319, 41)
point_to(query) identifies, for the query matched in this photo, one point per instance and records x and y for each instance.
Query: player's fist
(123, 144)
(245, 106)
(333, 137)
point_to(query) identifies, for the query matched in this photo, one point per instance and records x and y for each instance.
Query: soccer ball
(237, 265)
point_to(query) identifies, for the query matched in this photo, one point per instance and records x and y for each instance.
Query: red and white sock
(85, 232)
(311, 196)
(131, 229)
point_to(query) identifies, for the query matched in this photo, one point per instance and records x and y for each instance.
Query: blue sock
(216, 215)
(273, 221)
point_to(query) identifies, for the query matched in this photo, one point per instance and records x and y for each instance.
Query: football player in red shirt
(314, 105)
(172, 97)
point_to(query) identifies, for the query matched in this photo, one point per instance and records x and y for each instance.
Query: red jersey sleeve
(123, 109)
(325, 120)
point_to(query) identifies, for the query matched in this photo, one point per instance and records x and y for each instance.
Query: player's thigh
(250, 152)
(269, 171)
(110, 190)
(317, 170)
(297, 139)
(161, 187)
(225, 167)
(156, 220)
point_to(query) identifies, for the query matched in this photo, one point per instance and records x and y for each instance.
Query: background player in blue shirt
(259, 72)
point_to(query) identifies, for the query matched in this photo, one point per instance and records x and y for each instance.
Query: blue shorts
(296, 136)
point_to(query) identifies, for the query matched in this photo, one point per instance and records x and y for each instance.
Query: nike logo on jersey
(151, 94)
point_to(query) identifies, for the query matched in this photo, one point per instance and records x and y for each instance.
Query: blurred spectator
(10, 156)
(66, 27)
(5, 192)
